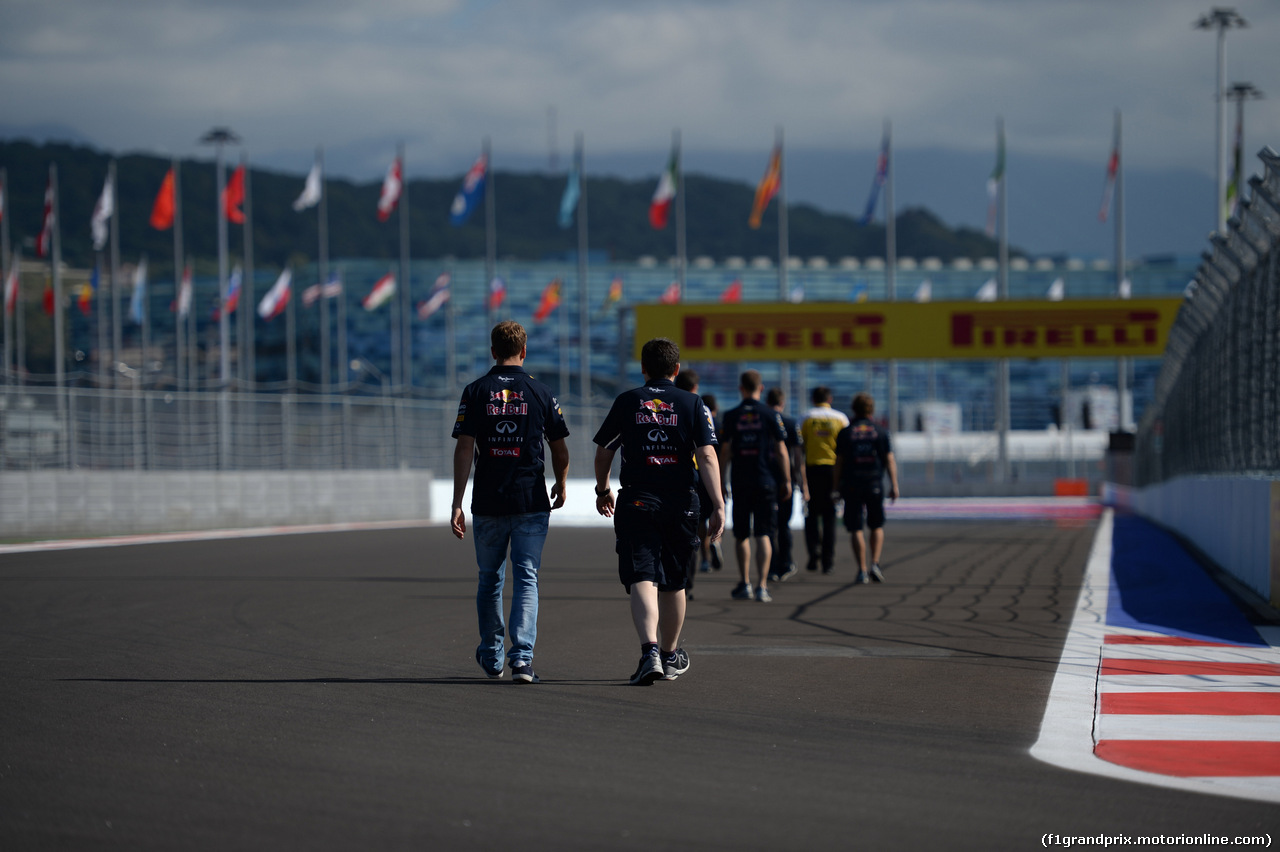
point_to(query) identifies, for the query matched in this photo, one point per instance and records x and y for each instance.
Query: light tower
(1221, 19)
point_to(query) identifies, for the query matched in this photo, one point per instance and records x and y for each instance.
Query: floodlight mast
(1221, 19)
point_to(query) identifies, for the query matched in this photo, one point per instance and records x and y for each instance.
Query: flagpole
(584, 319)
(322, 228)
(177, 275)
(891, 268)
(563, 325)
(1002, 365)
(343, 364)
(60, 343)
(116, 331)
(490, 260)
(248, 369)
(682, 260)
(291, 342)
(406, 342)
(5, 259)
(219, 137)
(784, 371)
(1122, 364)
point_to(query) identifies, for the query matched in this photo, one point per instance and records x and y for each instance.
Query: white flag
(1057, 290)
(924, 292)
(184, 294)
(277, 298)
(310, 196)
(102, 215)
(987, 292)
(382, 290)
(1126, 288)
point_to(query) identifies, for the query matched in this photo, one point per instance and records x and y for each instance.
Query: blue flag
(139, 293)
(472, 187)
(572, 189)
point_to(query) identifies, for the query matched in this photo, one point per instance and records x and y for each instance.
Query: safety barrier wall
(53, 503)
(1207, 453)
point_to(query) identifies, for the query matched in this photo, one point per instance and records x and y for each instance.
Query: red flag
(233, 196)
(767, 188)
(550, 301)
(48, 301)
(732, 293)
(497, 293)
(671, 295)
(391, 187)
(45, 239)
(1113, 167)
(162, 209)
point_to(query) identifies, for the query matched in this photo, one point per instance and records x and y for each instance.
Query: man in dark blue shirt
(863, 456)
(502, 420)
(782, 566)
(668, 441)
(753, 448)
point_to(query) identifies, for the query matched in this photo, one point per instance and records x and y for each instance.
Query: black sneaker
(811, 565)
(649, 670)
(741, 592)
(524, 674)
(675, 664)
(875, 572)
(488, 671)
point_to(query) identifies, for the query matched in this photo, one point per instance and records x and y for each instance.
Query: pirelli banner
(842, 331)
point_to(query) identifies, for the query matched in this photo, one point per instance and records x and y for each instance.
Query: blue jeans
(524, 534)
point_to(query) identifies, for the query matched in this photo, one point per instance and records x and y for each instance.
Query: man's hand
(604, 504)
(459, 522)
(715, 524)
(557, 495)
(784, 492)
(893, 493)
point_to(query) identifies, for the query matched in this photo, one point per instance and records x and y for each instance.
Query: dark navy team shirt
(508, 412)
(755, 430)
(863, 446)
(658, 427)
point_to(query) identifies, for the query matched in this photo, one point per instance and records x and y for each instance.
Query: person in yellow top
(819, 429)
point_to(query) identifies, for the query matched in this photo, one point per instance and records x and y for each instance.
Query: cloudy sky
(287, 75)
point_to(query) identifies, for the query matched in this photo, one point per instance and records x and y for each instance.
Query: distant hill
(526, 214)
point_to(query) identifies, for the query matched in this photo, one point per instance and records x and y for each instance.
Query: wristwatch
(606, 490)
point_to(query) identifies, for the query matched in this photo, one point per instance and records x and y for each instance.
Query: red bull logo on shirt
(505, 402)
(655, 411)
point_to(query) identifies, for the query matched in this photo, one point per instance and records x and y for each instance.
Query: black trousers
(820, 523)
(782, 544)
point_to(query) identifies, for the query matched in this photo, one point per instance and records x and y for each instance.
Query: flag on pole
(797, 294)
(613, 297)
(162, 209)
(993, 182)
(48, 300)
(311, 295)
(333, 287)
(311, 189)
(277, 298)
(572, 190)
(767, 188)
(671, 295)
(924, 293)
(987, 292)
(383, 289)
(1113, 168)
(733, 293)
(1057, 290)
(392, 184)
(878, 182)
(84, 297)
(440, 293)
(44, 240)
(11, 286)
(233, 196)
(859, 292)
(549, 302)
(1126, 288)
(497, 293)
(472, 186)
(1231, 201)
(233, 293)
(660, 206)
(139, 292)
(101, 219)
(184, 294)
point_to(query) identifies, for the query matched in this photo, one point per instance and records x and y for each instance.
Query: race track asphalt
(319, 692)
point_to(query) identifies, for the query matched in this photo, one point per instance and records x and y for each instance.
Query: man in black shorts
(661, 431)
(753, 447)
(863, 456)
(782, 566)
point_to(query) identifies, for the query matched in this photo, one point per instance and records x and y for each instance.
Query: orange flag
(162, 209)
(550, 301)
(233, 196)
(767, 188)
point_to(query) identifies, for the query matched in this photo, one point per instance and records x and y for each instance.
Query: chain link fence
(1216, 403)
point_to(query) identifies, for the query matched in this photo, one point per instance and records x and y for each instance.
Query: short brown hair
(775, 396)
(660, 358)
(750, 381)
(508, 340)
(821, 395)
(864, 405)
